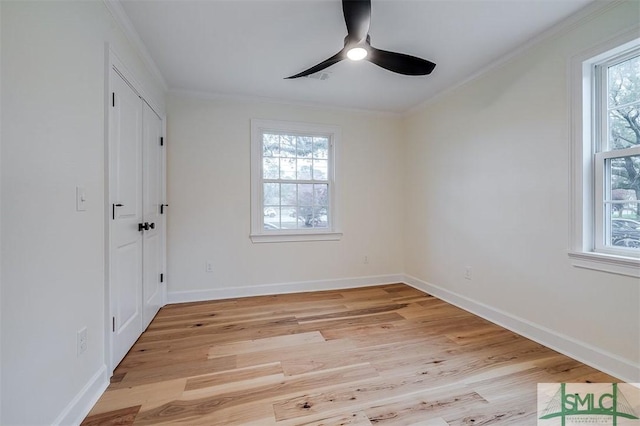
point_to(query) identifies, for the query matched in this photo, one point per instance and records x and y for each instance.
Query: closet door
(153, 241)
(126, 196)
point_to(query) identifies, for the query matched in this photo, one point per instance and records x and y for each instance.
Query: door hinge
(113, 323)
(162, 206)
(161, 278)
(161, 141)
(113, 99)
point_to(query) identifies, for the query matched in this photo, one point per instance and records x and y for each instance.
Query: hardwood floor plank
(349, 322)
(374, 393)
(174, 370)
(238, 315)
(376, 353)
(141, 358)
(190, 408)
(313, 353)
(388, 354)
(148, 395)
(219, 333)
(350, 313)
(355, 419)
(427, 406)
(233, 376)
(123, 417)
(364, 393)
(256, 345)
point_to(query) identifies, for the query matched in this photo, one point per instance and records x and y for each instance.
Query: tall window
(605, 232)
(293, 181)
(617, 157)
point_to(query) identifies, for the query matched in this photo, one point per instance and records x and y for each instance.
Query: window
(617, 155)
(293, 181)
(606, 158)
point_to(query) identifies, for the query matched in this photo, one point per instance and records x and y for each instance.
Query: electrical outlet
(208, 266)
(365, 260)
(81, 340)
(467, 272)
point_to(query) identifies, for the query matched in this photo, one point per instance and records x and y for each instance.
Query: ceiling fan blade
(399, 62)
(322, 65)
(357, 16)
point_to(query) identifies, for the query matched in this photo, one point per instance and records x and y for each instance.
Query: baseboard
(84, 401)
(607, 362)
(281, 288)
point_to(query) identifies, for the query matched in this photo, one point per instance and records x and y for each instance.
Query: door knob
(151, 226)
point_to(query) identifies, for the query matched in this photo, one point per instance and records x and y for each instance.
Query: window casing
(293, 188)
(606, 157)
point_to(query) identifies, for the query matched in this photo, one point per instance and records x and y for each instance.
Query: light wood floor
(378, 355)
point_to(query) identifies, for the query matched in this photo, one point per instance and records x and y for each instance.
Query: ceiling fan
(357, 46)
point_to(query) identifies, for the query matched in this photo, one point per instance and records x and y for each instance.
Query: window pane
(623, 125)
(320, 147)
(319, 169)
(270, 168)
(304, 169)
(623, 93)
(625, 177)
(622, 208)
(320, 221)
(289, 217)
(288, 168)
(271, 211)
(305, 146)
(321, 203)
(625, 225)
(305, 195)
(288, 194)
(271, 218)
(321, 195)
(271, 194)
(287, 146)
(623, 82)
(270, 145)
(305, 201)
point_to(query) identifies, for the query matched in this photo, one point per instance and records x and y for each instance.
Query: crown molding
(123, 21)
(214, 96)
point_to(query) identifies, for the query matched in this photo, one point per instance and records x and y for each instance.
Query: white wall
(209, 198)
(487, 176)
(53, 76)
(401, 204)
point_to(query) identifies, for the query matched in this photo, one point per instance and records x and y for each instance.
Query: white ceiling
(246, 47)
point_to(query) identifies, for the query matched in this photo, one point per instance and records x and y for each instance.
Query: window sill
(606, 262)
(295, 237)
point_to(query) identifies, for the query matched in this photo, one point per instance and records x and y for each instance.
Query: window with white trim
(617, 154)
(293, 181)
(606, 159)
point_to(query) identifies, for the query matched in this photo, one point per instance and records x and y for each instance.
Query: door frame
(115, 64)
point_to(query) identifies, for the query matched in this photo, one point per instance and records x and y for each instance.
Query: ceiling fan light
(357, 53)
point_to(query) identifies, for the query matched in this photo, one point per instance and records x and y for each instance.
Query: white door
(126, 254)
(152, 195)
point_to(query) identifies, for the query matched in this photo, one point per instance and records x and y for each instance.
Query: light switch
(81, 199)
